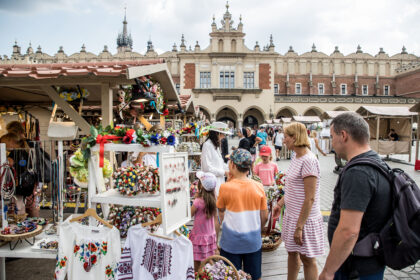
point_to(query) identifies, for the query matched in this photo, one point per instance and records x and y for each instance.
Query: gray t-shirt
(363, 189)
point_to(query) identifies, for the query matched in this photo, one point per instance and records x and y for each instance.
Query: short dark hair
(354, 125)
(241, 169)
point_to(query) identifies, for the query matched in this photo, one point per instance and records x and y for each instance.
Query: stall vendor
(393, 136)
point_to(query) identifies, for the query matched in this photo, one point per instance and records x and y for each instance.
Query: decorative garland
(101, 136)
(123, 217)
(79, 167)
(131, 181)
(148, 87)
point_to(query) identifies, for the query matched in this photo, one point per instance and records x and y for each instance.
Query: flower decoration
(123, 217)
(171, 140)
(130, 136)
(154, 139)
(162, 140)
(133, 180)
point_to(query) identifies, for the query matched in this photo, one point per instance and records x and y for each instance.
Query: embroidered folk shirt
(87, 252)
(148, 257)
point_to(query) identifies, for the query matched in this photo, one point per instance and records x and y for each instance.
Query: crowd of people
(231, 203)
(231, 199)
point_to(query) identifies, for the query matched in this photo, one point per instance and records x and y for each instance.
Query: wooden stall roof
(385, 111)
(20, 83)
(332, 114)
(32, 83)
(415, 108)
(306, 119)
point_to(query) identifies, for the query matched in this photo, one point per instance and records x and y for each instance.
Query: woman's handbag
(61, 130)
(253, 150)
(28, 178)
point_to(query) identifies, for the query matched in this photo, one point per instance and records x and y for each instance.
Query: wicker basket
(268, 247)
(211, 260)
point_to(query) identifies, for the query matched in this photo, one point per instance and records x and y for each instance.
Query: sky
(299, 23)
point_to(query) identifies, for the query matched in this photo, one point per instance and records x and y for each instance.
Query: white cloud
(327, 23)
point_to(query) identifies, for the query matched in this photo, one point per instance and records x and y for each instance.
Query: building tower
(124, 41)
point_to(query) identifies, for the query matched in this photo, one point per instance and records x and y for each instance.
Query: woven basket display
(273, 244)
(211, 260)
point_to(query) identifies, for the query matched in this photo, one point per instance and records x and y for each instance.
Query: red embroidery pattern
(125, 268)
(157, 259)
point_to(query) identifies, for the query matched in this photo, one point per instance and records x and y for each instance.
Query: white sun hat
(220, 127)
(208, 180)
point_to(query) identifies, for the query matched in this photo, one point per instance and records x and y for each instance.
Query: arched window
(220, 45)
(233, 46)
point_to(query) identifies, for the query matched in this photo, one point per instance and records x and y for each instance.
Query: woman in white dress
(211, 157)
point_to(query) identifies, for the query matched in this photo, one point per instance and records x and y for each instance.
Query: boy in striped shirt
(242, 209)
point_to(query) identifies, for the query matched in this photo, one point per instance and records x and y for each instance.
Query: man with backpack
(362, 202)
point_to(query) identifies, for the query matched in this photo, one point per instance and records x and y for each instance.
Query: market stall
(149, 84)
(324, 135)
(381, 120)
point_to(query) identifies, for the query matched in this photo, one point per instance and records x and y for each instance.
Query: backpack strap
(385, 171)
(368, 246)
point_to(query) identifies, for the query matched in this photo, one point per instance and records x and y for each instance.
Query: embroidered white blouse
(147, 257)
(87, 252)
(212, 161)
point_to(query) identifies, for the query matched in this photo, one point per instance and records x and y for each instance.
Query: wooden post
(79, 120)
(106, 105)
(377, 133)
(411, 138)
(162, 121)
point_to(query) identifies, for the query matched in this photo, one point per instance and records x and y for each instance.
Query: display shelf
(24, 249)
(135, 148)
(112, 196)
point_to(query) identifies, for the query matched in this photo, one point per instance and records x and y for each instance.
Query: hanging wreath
(73, 94)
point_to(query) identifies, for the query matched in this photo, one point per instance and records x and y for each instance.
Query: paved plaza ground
(274, 263)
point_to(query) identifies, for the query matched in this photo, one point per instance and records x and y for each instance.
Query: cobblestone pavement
(274, 263)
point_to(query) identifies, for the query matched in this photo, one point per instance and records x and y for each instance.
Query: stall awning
(27, 84)
(385, 111)
(331, 114)
(306, 119)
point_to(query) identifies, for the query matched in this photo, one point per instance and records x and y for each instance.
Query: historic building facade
(230, 81)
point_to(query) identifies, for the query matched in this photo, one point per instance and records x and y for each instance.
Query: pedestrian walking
(302, 230)
(263, 136)
(315, 148)
(211, 157)
(278, 142)
(243, 210)
(253, 142)
(362, 203)
(243, 141)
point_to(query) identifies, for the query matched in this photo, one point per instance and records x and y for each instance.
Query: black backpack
(398, 242)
